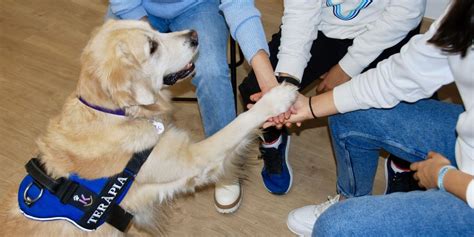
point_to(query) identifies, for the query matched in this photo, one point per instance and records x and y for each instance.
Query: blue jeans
(212, 79)
(408, 131)
(417, 213)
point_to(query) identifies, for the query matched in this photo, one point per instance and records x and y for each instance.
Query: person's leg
(419, 213)
(213, 86)
(407, 130)
(212, 79)
(159, 24)
(397, 174)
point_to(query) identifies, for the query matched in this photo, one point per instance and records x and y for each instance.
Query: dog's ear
(127, 87)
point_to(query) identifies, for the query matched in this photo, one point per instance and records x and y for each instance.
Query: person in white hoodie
(386, 108)
(336, 39)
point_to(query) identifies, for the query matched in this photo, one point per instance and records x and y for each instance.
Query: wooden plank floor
(40, 45)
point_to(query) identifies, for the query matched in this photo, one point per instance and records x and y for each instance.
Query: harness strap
(106, 208)
(35, 169)
(119, 218)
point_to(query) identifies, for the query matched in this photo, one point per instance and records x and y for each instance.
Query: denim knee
(335, 221)
(212, 73)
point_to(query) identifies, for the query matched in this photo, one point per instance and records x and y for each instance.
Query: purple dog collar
(120, 112)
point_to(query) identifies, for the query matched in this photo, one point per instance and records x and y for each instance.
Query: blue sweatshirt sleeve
(127, 9)
(245, 26)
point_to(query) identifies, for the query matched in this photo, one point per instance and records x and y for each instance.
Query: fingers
(415, 176)
(255, 97)
(268, 124)
(431, 154)
(414, 166)
(282, 117)
(288, 114)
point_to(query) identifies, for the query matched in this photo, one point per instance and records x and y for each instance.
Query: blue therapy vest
(85, 203)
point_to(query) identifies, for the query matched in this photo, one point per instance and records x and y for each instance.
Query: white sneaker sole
(233, 208)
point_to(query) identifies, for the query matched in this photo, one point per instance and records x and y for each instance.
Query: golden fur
(119, 71)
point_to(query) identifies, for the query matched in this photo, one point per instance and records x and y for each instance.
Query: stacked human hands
(302, 110)
(295, 115)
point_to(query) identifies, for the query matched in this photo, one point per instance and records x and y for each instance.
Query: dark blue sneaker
(276, 173)
(399, 181)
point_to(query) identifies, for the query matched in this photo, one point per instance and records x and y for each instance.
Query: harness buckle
(29, 201)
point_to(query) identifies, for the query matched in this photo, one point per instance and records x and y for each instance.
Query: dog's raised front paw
(278, 100)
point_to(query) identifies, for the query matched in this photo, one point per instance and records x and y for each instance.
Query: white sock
(396, 168)
(273, 144)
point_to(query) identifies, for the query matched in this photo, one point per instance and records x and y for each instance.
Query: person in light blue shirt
(212, 19)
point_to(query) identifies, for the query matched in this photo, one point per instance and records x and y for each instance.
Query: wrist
(311, 114)
(289, 79)
(268, 85)
(441, 174)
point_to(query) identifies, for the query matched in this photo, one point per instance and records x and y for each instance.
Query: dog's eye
(153, 46)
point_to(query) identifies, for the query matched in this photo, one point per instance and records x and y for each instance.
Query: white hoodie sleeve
(298, 31)
(416, 72)
(398, 18)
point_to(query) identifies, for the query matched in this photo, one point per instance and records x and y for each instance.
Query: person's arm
(247, 29)
(414, 73)
(397, 19)
(418, 71)
(457, 182)
(263, 71)
(395, 22)
(128, 9)
(298, 31)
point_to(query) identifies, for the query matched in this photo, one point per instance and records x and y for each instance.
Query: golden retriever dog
(125, 67)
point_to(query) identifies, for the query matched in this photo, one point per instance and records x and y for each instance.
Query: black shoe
(399, 181)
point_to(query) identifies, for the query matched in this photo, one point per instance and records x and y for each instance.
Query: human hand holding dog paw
(299, 112)
(276, 101)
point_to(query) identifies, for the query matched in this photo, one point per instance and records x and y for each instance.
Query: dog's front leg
(212, 151)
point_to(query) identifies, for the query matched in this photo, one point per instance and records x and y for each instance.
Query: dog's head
(127, 63)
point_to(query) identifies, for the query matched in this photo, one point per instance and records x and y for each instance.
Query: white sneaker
(227, 197)
(301, 220)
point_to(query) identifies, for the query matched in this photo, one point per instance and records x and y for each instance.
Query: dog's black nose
(193, 35)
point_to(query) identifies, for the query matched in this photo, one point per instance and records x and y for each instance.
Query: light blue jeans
(408, 131)
(212, 79)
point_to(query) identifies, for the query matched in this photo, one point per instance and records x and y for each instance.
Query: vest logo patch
(85, 201)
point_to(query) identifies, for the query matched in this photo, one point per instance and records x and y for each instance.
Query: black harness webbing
(105, 208)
